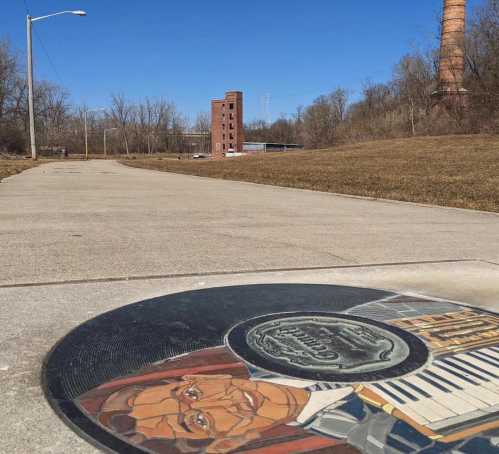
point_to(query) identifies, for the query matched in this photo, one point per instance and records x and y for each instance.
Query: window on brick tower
(223, 136)
(231, 116)
(231, 106)
(231, 145)
(231, 136)
(223, 125)
(231, 126)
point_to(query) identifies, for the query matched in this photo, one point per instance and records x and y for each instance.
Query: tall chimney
(451, 72)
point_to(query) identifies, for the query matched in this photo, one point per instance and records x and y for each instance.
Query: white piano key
(485, 390)
(491, 352)
(484, 359)
(482, 365)
(487, 359)
(484, 395)
(452, 405)
(470, 372)
(471, 402)
(430, 409)
(405, 408)
(482, 353)
(489, 355)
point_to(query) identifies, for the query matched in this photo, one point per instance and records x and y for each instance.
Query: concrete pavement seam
(229, 273)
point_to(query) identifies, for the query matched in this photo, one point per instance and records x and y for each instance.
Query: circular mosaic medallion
(326, 347)
(277, 368)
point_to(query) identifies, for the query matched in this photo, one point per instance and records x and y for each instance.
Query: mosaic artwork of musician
(214, 401)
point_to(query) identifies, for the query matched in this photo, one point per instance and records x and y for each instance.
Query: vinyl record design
(284, 369)
(324, 347)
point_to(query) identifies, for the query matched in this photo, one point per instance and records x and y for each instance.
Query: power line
(39, 39)
(42, 45)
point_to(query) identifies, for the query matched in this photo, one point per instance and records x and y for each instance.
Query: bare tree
(414, 84)
(322, 119)
(121, 112)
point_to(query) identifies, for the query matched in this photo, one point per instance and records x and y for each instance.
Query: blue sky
(193, 50)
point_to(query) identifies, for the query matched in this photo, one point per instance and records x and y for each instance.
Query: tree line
(401, 107)
(149, 126)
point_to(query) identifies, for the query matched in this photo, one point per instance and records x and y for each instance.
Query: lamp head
(79, 13)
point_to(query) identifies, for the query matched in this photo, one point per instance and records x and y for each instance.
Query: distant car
(199, 156)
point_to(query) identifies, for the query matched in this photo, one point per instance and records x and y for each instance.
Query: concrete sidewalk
(81, 238)
(99, 219)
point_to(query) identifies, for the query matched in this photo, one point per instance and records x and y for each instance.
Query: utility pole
(29, 35)
(29, 31)
(86, 136)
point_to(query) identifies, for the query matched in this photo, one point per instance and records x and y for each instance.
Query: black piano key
(433, 383)
(415, 388)
(442, 379)
(490, 357)
(485, 360)
(474, 366)
(402, 391)
(387, 391)
(463, 369)
(457, 374)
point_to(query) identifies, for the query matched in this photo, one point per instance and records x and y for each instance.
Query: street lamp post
(105, 143)
(29, 32)
(86, 129)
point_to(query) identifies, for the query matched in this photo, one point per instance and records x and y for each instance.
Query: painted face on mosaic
(218, 407)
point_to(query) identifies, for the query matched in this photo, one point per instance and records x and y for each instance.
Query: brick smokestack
(451, 72)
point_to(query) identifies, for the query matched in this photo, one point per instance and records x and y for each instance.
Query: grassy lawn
(457, 171)
(10, 167)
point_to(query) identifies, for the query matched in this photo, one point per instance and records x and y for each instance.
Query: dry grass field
(456, 171)
(10, 167)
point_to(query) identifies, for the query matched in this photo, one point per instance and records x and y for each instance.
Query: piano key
(450, 405)
(483, 354)
(434, 383)
(441, 379)
(458, 390)
(408, 395)
(452, 362)
(407, 409)
(496, 349)
(456, 373)
(482, 384)
(491, 352)
(418, 390)
(481, 366)
(482, 362)
(391, 394)
(474, 394)
(470, 388)
(483, 359)
(428, 408)
(473, 403)
(485, 379)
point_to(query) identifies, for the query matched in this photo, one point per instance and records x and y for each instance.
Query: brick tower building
(452, 54)
(227, 129)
